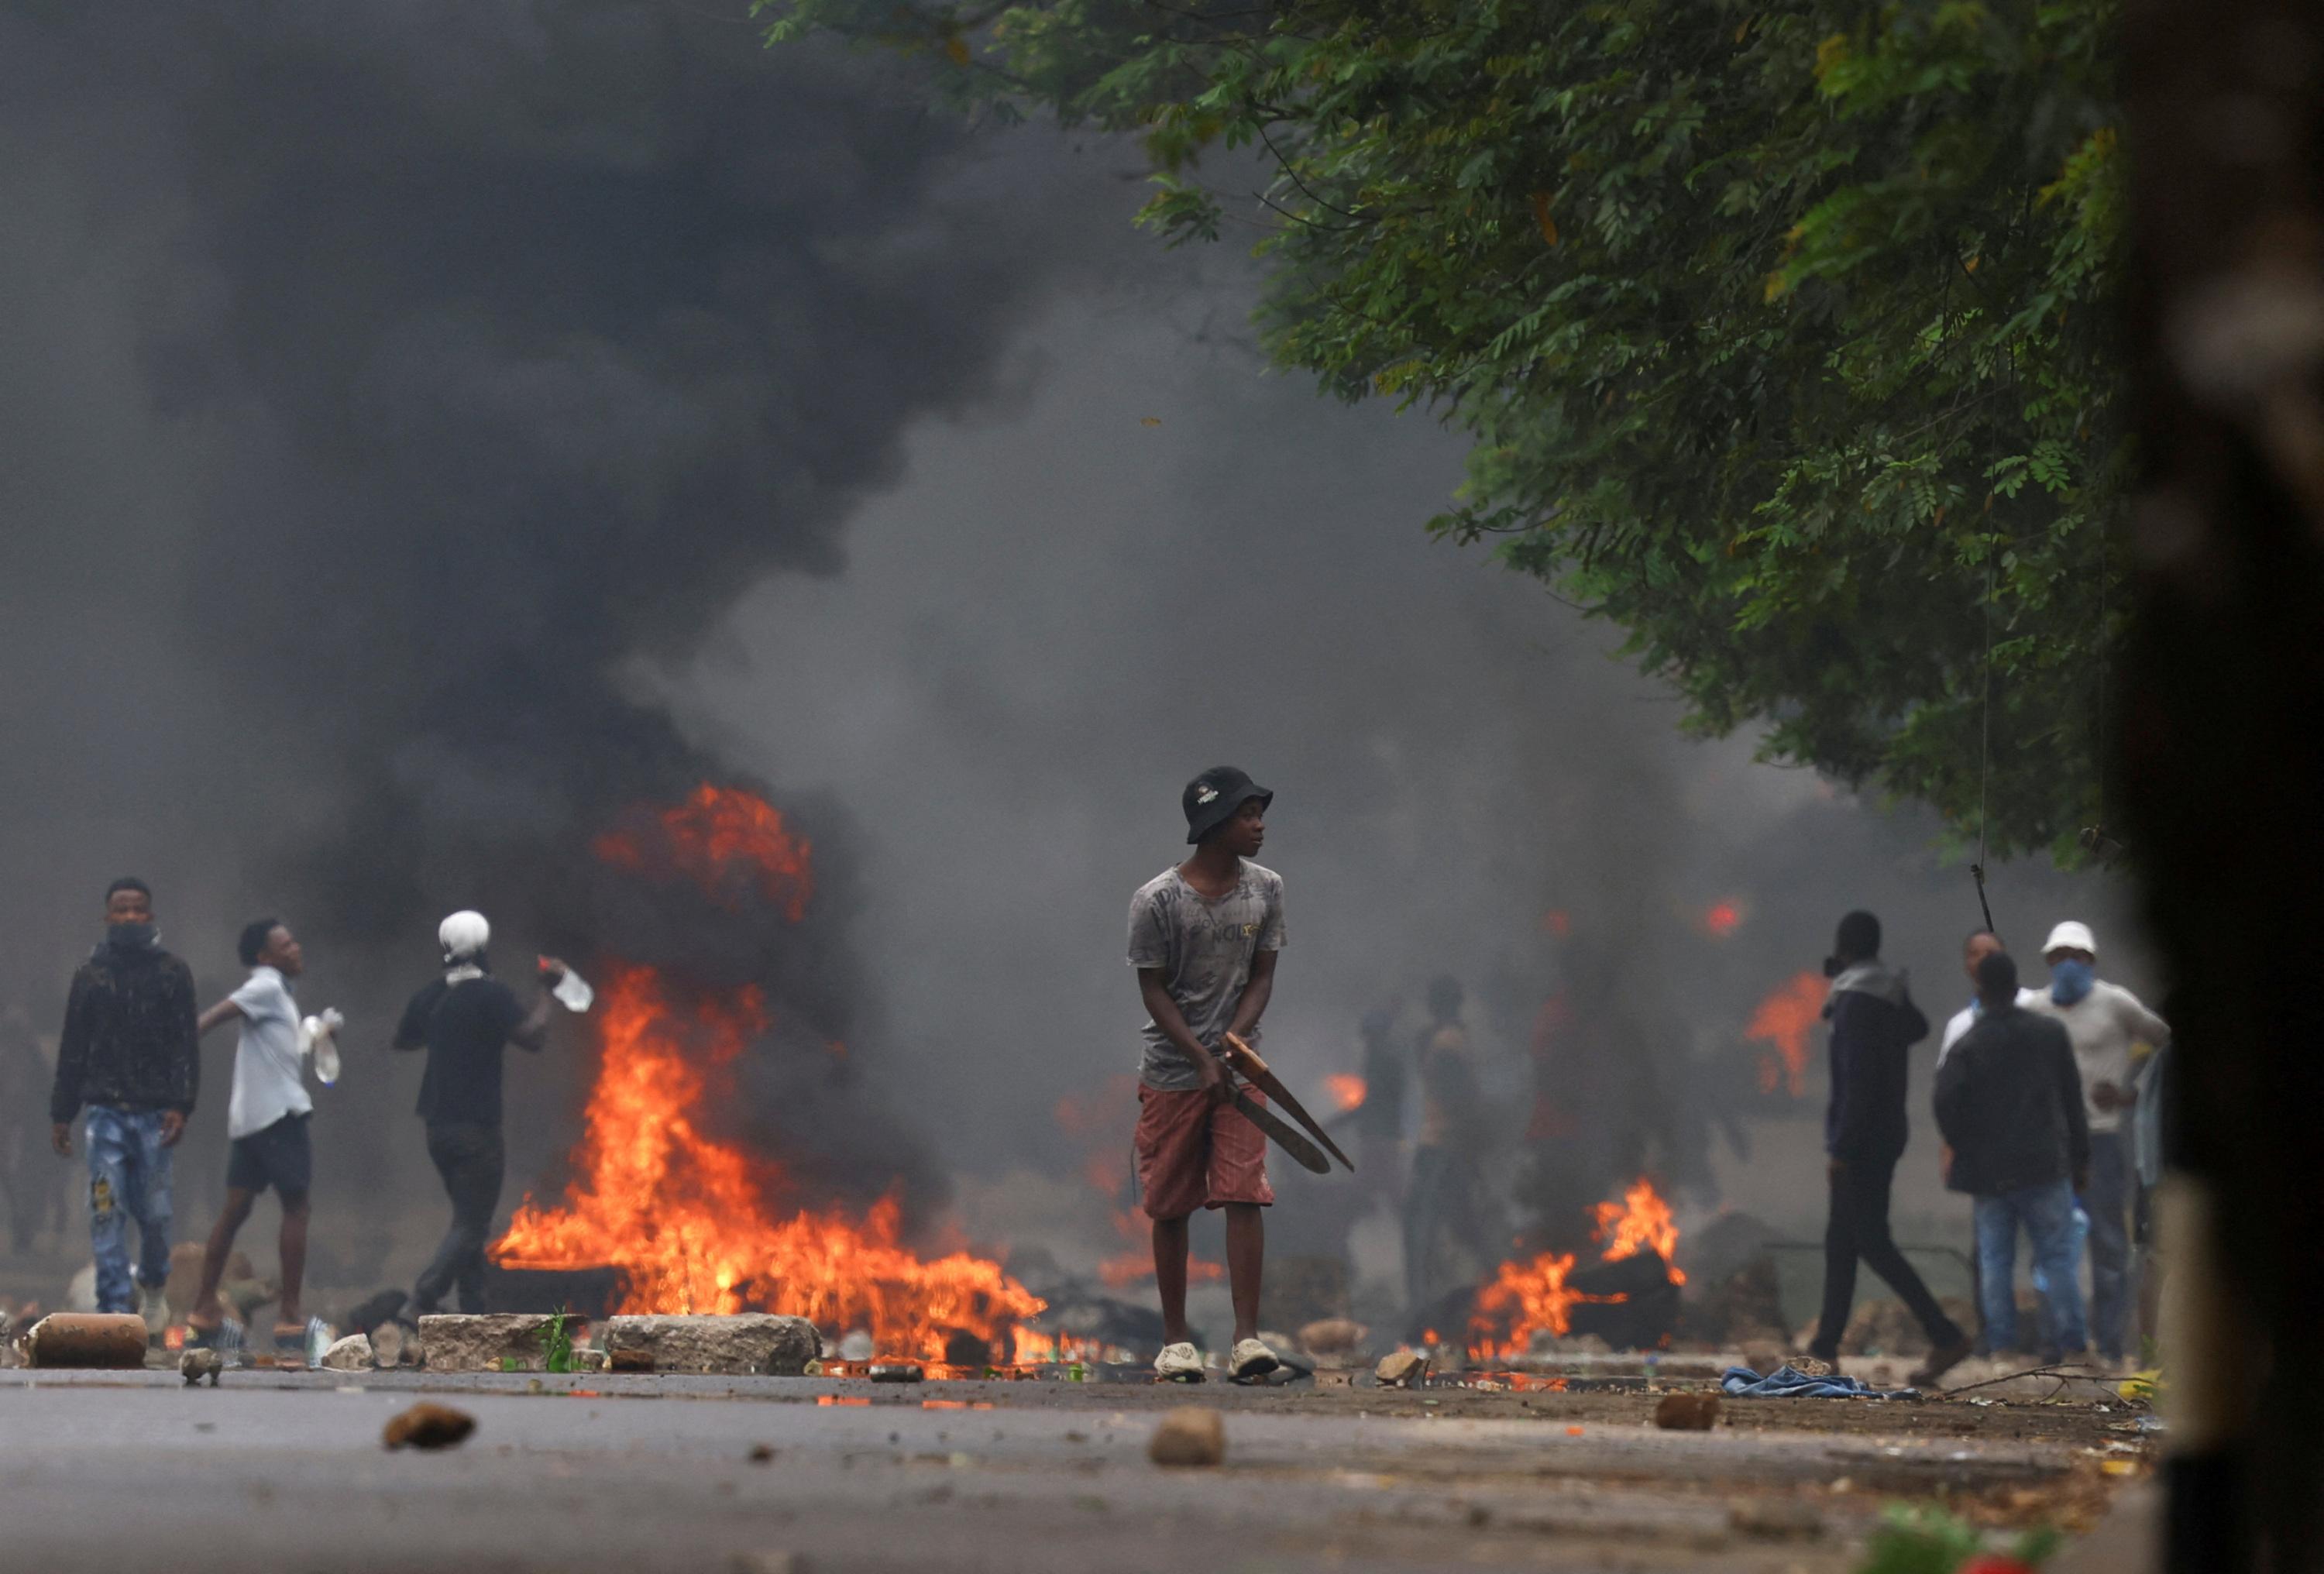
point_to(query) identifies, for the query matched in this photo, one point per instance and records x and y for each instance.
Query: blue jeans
(128, 1178)
(2107, 1201)
(2047, 1212)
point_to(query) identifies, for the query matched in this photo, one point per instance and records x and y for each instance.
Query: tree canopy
(1784, 333)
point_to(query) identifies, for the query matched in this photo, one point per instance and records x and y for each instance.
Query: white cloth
(1962, 1020)
(266, 1080)
(2103, 1025)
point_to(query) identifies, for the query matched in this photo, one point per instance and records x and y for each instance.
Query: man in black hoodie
(2009, 1100)
(130, 1054)
(1873, 1023)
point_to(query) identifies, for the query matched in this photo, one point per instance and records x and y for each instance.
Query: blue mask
(2069, 980)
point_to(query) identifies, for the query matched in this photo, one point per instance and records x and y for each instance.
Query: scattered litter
(1687, 1411)
(429, 1426)
(1189, 1436)
(896, 1372)
(197, 1364)
(351, 1354)
(762, 1454)
(1790, 1383)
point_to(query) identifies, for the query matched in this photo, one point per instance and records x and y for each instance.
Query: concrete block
(744, 1342)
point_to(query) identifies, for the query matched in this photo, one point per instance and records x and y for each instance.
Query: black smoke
(375, 380)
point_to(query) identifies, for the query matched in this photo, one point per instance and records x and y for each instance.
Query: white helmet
(2071, 936)
(463, 933)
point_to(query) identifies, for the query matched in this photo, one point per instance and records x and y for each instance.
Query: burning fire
(1640, 1221)
(725, 841)
(1346, 1089)
(1783, 1021)
(696, 1224)
(1528, 1297)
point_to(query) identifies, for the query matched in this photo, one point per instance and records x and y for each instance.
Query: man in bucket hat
(1204, 937)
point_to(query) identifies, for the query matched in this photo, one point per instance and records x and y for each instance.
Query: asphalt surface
(287, 1471)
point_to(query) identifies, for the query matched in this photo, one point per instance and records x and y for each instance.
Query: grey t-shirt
(1204, 950)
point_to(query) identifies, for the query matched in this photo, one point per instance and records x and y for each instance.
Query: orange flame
(1723, 919)
(1783, 1021)
(1524, 1298)
(1640, 1221)
(694, 1222)
(1346, 1089)
(724, 840)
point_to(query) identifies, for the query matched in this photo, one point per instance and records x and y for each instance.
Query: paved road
(285, 1471)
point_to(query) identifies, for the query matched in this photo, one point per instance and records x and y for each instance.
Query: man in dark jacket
(2009, 1100)
(130, 1054)
(1873, 1023)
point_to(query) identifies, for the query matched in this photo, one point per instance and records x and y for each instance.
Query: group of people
(129, 1072)
(2033, 1087)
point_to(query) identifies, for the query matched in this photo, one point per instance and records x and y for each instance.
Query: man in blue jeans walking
(2009, 1102)
(130, 1054)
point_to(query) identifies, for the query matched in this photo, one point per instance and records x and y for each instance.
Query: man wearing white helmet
(463, 1020)
(2107, 1025)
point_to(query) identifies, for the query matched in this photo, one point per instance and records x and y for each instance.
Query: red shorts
(1194, 1154)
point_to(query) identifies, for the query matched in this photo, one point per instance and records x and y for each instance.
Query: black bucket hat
(1212, 798)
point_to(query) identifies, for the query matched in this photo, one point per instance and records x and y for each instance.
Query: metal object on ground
(1245, 1060)
(87, 1339)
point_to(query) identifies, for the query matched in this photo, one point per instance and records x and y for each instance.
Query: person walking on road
(1874, 1023)
(1204, 935)
(465, 1020)
(266, 1123)
(2110, 1030)
(2009, 1101)
(129, 1056)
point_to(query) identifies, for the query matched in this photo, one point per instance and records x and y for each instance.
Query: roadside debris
(502, 1342)
(896, 1372)
(87, 1339)
(1401, 1369)
(197, 1364)
(739, 1343)
(387, 1345)
(1332, 1336)
(351, 1354)
(1189, 1435)
(429, 1426)
(1790, 1383)
(1687, 1411)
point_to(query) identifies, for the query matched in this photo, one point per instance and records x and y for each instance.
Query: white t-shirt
(266, 1062)
(1962, 1020)
(2103, 1025)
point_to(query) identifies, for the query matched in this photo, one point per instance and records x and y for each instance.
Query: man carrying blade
(1204, 937)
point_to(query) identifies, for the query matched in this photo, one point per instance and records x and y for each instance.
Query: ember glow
(722, 839)
(1346, 1089)
(1526, 1299)
(1783, 1022)
(697, 1224)
(1723, 919)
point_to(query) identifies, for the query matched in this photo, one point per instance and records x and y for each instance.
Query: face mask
(2071, 980)
(130, 936)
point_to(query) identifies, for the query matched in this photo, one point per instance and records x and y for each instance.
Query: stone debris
(197, 1364)
(1777, 1519)
(429, 1426)
(351, 1354)
(746, 1342)
(1189, 1435)
(87, 1339)
(1687, 1411)
(1332, 1336)
(388, 1341)
(1401, 1369)
(498, 1341)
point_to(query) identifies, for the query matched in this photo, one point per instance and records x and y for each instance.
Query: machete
(1291, 1142)
(1245, 1059)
